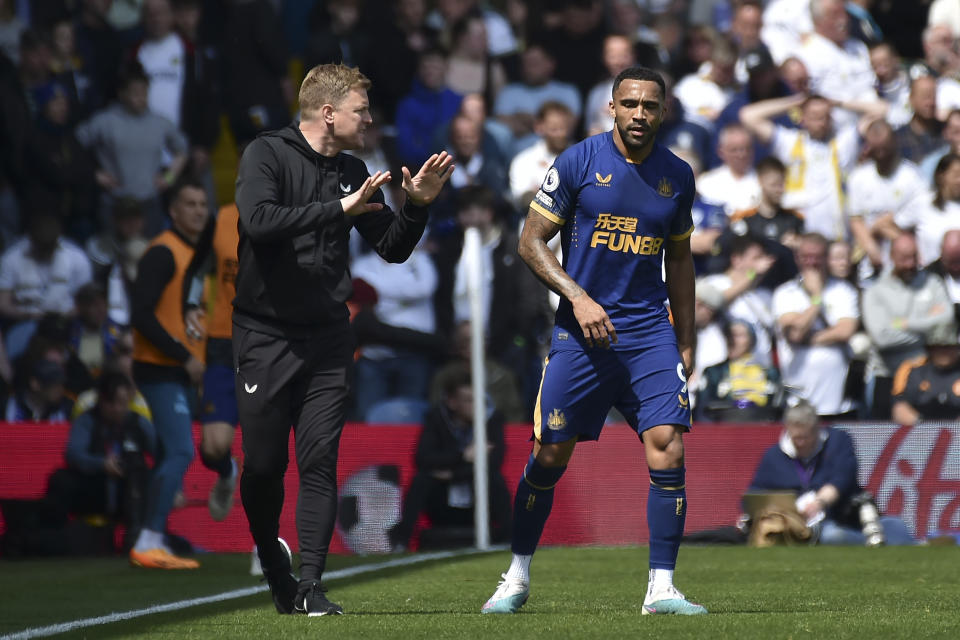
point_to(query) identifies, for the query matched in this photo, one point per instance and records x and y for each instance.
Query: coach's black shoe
(283, 584)
(313, 602)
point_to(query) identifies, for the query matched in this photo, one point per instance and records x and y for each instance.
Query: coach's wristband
(816, 301)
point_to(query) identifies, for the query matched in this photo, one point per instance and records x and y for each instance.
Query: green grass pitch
(576, 593)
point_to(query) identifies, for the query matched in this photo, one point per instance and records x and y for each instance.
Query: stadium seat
(399, 410)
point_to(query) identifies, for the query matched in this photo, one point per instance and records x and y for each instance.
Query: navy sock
(666, 513)
(532, 505)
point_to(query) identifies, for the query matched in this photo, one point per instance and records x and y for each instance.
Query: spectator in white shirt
(733, 185)
(839, 66)
(947, 266)
(817, 158)
(816, 316)
(706, 92)
(893, 83)
(877, 191)
(554, 126)
(932, 217)
(38, 274)
(785, 24)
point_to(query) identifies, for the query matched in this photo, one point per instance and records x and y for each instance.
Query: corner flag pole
(474, 263)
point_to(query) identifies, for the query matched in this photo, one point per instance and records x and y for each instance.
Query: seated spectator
(107, 470)
(53, 341)
(893, 83)
(518, 102)
(925, 388)
(951, 144)
(930, 217)
(42, 397)
(475, 165)
(745, 296)
(820, 466)
(877, 192)
(429, 104)
(121, 360)
(503, 388)
(839, 65)
(733, 185)
(741, 388)
(898, 310)
(921, 135)
(769, 220)
(840, 261)
(90, 331)
(763, 83)
(711, 345)
(709, 223)
(554, 127)
(40, 273)
(704, 94)
(470, 68)
(679, 131)
(816, 315)
(947, 266)
(443, 486)
(114, 255)
(404, 299)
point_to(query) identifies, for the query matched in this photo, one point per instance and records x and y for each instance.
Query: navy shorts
(579, 387)
(219, 402)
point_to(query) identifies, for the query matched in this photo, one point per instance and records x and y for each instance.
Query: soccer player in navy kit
(621, 203)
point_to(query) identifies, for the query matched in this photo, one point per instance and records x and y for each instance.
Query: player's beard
(650, 133)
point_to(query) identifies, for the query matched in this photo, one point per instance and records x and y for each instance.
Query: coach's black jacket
(293, 278)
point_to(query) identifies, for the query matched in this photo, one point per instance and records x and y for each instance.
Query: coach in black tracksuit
(298, 197)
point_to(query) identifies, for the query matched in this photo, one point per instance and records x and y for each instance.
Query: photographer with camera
(106, 471)
(819, 465)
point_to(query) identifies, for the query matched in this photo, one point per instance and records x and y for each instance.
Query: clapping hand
(425, 186)
(356, 203)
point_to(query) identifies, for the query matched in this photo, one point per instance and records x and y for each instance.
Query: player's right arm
(533, 249)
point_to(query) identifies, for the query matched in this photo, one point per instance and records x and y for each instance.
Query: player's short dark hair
(110, 383)
(770, 163)
(132, 72)
(640, 73)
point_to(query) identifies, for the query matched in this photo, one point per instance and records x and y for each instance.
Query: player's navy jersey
(616, 217)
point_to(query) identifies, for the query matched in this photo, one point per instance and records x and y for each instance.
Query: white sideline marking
(63, 627)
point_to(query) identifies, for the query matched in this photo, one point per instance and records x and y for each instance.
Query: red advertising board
(915, 472)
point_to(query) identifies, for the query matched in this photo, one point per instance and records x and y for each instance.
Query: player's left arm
(681, 289)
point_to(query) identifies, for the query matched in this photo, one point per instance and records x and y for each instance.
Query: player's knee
(554, 455)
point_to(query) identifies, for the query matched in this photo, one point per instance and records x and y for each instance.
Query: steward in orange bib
(167, 363)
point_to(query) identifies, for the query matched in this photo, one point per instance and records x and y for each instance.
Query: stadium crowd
(825, 136)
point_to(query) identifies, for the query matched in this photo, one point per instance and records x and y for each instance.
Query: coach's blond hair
(328, 84)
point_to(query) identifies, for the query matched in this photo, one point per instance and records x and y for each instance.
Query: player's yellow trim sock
(532, 505)
(666, 513)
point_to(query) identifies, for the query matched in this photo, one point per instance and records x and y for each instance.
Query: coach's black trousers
(303, 383)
